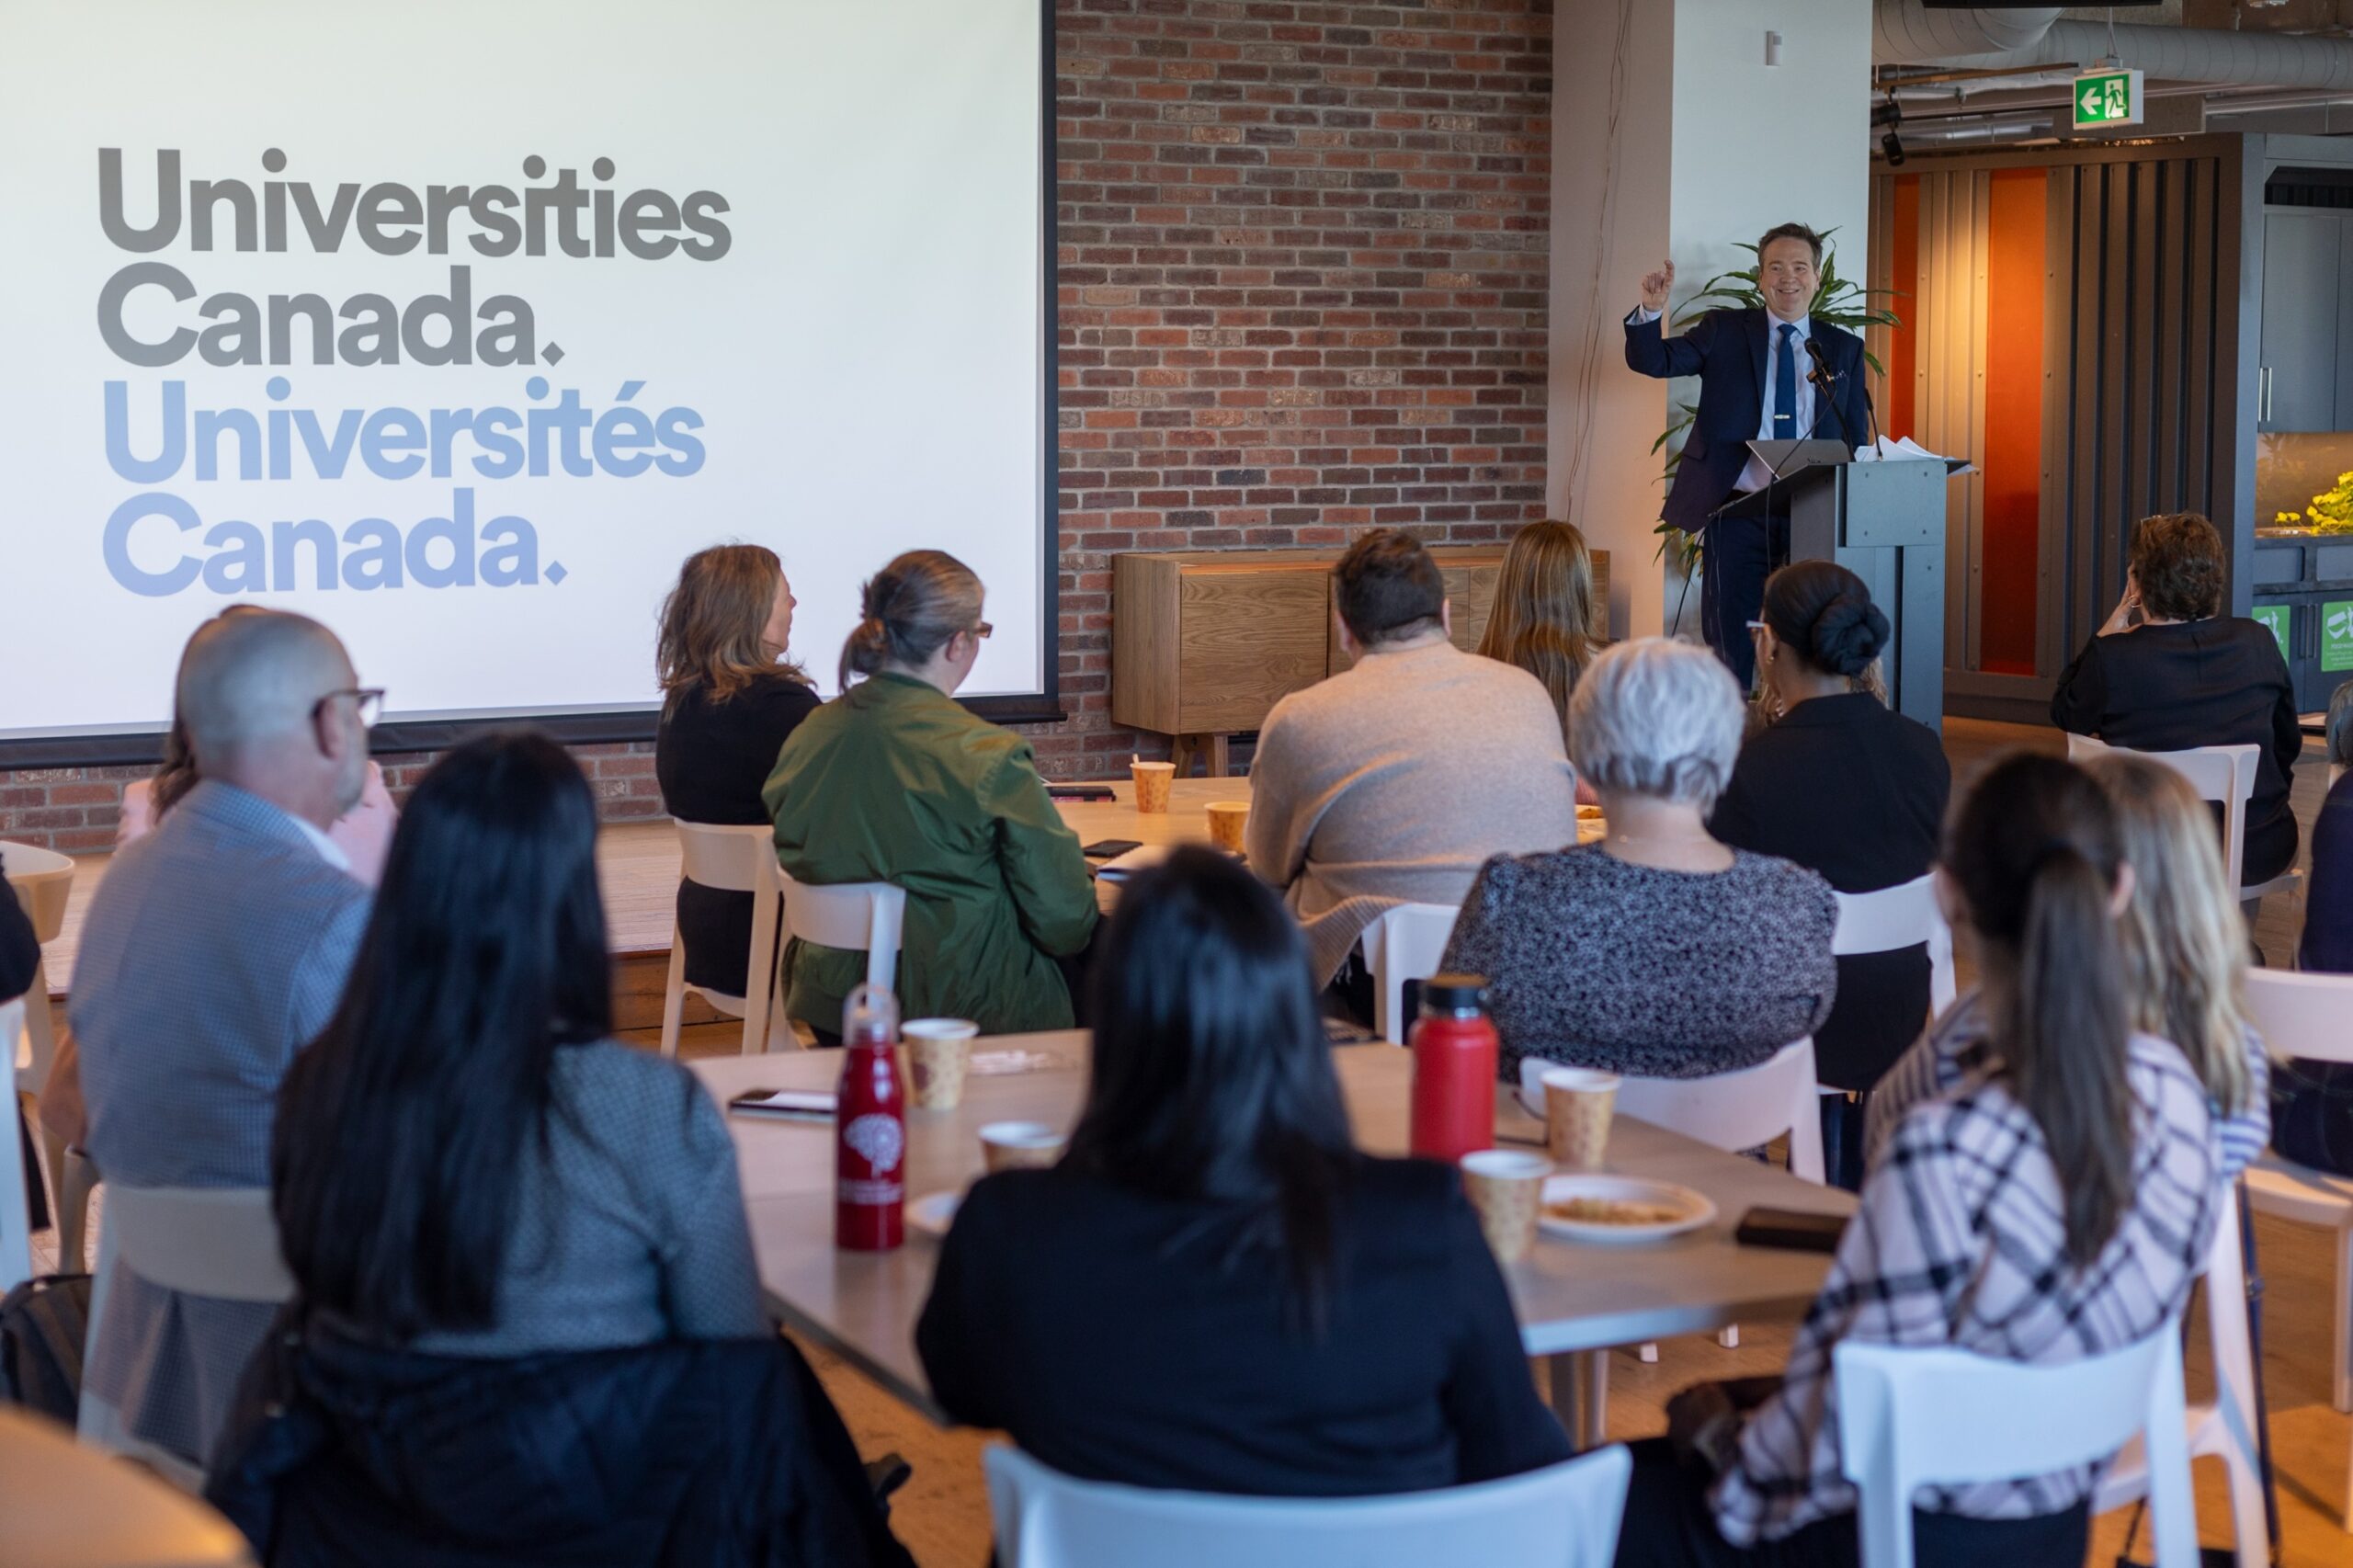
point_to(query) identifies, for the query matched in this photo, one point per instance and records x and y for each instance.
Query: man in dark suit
(1753, 366)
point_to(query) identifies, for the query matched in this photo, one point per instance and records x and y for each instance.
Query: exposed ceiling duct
(1904, 32)
(2172, 54)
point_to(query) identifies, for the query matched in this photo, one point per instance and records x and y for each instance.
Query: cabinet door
(2301, 289)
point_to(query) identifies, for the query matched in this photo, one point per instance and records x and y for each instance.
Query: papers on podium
(1905, 449)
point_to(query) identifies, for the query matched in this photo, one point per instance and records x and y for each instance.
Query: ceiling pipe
(1904, 32)
(2178, 54)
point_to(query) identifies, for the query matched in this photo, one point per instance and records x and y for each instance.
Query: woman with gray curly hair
(1657, 952)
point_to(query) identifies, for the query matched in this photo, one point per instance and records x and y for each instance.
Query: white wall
(1712, 147)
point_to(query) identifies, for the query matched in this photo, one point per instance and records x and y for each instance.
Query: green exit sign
(2105, 98)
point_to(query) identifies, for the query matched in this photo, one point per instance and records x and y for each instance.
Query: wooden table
(65, 1505)
(1574, 1302)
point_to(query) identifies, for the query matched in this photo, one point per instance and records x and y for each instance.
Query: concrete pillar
(1673, 135)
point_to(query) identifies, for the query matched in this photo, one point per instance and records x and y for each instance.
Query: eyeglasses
(1756, 626)
(983, 629)
(368, 700)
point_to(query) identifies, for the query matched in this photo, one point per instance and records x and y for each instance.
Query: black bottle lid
(1454, 993)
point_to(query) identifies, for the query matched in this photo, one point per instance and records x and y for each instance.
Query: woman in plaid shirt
(2053, 1205)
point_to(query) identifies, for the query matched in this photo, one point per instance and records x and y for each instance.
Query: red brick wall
(1301, 282)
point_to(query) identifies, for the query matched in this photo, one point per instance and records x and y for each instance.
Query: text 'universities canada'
(156, 542)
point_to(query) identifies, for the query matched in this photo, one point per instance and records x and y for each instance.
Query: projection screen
(459, 326)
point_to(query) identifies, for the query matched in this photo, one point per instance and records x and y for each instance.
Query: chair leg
(673, 993)
(1729, 1337)
(76, 1184)
(2342, 1388)
(1647, 1352)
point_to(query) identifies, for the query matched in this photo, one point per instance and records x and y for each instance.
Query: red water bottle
(1454, 1048)
(870, 1127)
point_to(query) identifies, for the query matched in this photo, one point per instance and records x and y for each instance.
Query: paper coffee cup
(937, 1051)
(1578, 1104)
(1019, 1145)
(1227, 819)
(1153, 780)
(1507, 1190)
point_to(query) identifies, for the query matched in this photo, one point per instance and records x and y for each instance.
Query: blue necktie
(1785, 385)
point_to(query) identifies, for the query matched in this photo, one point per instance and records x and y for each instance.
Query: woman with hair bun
(1845, 787)
(894, 782)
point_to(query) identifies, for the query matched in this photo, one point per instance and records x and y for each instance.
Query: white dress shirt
(1753, 476)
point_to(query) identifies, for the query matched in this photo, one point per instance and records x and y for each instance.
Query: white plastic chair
(850, 915)
(1745, 1109)
(1407, 942)
(732, 858)
(2305, 1016)
(2224, 775)
(1891, 920)
(220, 1241)
(1564, 1516)
(1911, 1418)
(2226, 1428)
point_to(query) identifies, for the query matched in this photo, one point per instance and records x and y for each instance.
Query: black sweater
(710, 759)
(1843, 786)
(1120, 1338)
(2219, 682)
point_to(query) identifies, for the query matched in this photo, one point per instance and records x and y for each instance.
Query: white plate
(932, 1212)
(1695, 1208)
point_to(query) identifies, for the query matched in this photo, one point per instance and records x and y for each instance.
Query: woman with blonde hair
(896, 781)
(1544, 620)
(730, 696)
(2185, 950)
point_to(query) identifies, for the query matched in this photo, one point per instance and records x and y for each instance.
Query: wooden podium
(1884, 521)
(1204, 642)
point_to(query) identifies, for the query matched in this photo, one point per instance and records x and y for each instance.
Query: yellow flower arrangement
(2330, 513)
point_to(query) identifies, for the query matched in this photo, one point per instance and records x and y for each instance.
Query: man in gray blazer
(216, 947)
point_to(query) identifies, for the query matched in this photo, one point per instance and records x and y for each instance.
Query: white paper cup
(1578, 1106)
(1020, 1145)
(1507, 1190)
(937, 1052)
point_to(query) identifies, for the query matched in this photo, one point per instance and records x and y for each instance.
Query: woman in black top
(2169, 671)
(1213, 1291)
(1841, 785)
(730, 700)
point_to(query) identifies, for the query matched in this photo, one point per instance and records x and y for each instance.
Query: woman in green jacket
(893, 781)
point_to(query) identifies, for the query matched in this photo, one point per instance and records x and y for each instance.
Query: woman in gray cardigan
(1658, 951)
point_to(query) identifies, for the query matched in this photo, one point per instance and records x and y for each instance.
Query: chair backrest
(852, 916)
(730, 857)
(2224, 775)
(1910, 1417)
(1744, 1109)
(1407, 942)
(220, 1241)
(1902, 917)
(1564, 1516)
(2302, 1015)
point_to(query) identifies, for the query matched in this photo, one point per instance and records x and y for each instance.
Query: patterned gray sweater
(1594, 962)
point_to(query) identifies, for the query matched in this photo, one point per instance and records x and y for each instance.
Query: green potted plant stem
(1838, 301)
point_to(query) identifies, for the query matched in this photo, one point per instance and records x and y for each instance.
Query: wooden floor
(943, 1513)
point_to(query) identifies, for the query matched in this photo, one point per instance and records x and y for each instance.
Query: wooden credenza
(1204, 641)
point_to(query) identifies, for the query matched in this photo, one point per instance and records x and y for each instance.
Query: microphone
(1823, 375)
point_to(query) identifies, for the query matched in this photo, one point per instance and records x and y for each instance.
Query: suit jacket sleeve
(19, 949)
(1649, 352)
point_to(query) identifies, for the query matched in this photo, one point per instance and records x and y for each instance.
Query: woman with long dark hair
(466, 1162)
(2053, 1205)
(527, 1327)
(1213, 1290)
